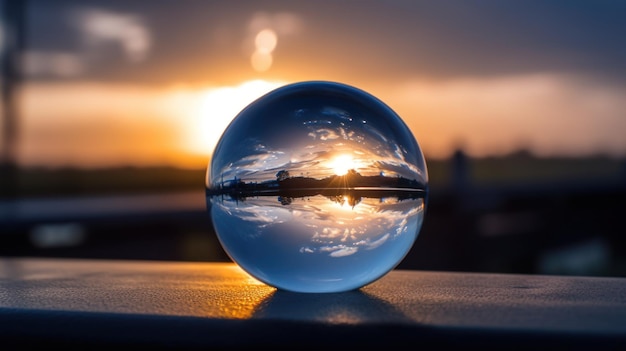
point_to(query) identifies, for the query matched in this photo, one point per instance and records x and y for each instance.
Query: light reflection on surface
(351, 307)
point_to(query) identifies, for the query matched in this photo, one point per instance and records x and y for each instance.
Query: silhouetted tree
(285, 200)
(282, 175)
(353, 173)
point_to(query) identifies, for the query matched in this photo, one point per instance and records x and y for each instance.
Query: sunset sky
(115, 82)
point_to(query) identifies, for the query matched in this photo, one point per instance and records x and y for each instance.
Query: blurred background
(111, 109)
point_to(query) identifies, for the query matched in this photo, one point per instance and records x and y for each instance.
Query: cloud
(48, 63)
(283, 23)
(101, 27)
(83, 42)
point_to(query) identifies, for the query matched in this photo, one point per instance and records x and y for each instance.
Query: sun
(341, 164)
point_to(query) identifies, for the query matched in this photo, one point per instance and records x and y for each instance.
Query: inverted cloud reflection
(325, 226)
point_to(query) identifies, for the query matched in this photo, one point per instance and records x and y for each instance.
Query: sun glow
(341, 164)
(216, 108)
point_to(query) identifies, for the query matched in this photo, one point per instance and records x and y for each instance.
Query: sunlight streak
(342, 164)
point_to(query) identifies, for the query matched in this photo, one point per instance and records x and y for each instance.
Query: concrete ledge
(184, 305)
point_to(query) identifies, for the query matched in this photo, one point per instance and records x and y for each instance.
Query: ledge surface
(185, 305)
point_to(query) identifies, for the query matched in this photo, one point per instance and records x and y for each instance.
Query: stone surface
(77, 302)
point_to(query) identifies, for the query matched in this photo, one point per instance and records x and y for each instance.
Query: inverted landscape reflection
(315, 238)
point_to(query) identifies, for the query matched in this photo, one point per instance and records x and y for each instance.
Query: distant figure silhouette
(461, 177)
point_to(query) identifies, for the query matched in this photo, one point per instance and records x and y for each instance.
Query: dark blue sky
(194, 41)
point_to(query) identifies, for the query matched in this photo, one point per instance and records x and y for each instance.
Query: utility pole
(13, 17)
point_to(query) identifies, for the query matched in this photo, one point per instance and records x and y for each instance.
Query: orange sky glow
(122, 87)
(122, 124)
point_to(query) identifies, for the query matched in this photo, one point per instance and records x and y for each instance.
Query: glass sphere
(317, 187)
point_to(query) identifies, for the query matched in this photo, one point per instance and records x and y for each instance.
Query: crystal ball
(317, 187)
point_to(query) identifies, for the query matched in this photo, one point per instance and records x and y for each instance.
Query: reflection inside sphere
(305, 240)
(317, 187)
(305, 128)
